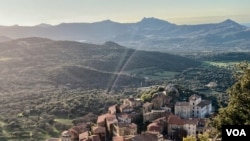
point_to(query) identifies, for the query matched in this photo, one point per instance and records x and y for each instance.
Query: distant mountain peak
(111, 43)
(151, 22)
(108, 21)
(43, 25)
(230, 22)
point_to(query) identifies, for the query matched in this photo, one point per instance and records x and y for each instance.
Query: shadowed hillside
(31, 61)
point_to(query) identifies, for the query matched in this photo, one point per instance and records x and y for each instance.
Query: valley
(48, 86)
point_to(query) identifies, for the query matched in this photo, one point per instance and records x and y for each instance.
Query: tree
(189, 138)
(238, 107)
(203, 137)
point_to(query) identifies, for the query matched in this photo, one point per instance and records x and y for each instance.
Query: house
(155, 127)
(101, 119)
(126, 108)
(118, 138)
(77, 130)
(154, 114)
(86, 136)
(123, 129)
(202, 126)
(100, 131)
(124, 117)
(195, 108)
(159, 100)
(182, 109)
(174, 122)
(110, 120)
(190, 126)
(112, 109)
(132, 102)
(148, 137)
(66, 136)
(147, 107)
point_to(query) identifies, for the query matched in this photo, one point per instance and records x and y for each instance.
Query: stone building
(194, 108)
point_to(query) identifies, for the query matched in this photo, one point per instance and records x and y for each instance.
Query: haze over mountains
(148, 34)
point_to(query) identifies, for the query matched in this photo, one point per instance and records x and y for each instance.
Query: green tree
(189, 138)
(238, 107)
(145, 97)
(203, 137)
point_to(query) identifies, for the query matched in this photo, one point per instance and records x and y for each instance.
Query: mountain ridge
(147, 34)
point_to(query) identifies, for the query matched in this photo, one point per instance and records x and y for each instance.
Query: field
(224, 64)
(153, 73)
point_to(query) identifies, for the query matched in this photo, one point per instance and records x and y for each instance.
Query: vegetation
(201, 137)
(237, 109)
(47, 86)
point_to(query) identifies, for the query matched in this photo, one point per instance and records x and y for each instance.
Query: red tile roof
(101, 118)
(84, 135)
(99, 129)
(146, 137)
(154, 127)
(173, 119)
(118, 138)
(95, 138)
(191, 121)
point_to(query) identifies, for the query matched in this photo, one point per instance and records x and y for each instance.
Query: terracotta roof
(113, 107)
(84, 135)
(173, 119)
(110, 117)
(147, 104)
(146, 137)
(182, 104)
(78, 129)
(160, 119)
(118, 138)
(155, 127)
(191, 121)
(204, 103)
(194, 96)
(95, 138)
(101, 118)
(99, 129)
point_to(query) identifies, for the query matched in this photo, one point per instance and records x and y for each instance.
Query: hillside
(34, 61)
(148, 34)
(45, 85)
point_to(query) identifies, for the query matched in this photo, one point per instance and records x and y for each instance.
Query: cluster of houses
(162, 117)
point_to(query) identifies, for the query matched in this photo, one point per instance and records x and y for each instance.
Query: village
(162, 119)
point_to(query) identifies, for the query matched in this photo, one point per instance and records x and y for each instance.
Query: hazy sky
(32, 12)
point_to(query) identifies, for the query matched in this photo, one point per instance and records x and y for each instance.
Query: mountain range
(148, 34)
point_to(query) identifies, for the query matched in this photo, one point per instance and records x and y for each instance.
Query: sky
(34, 12)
